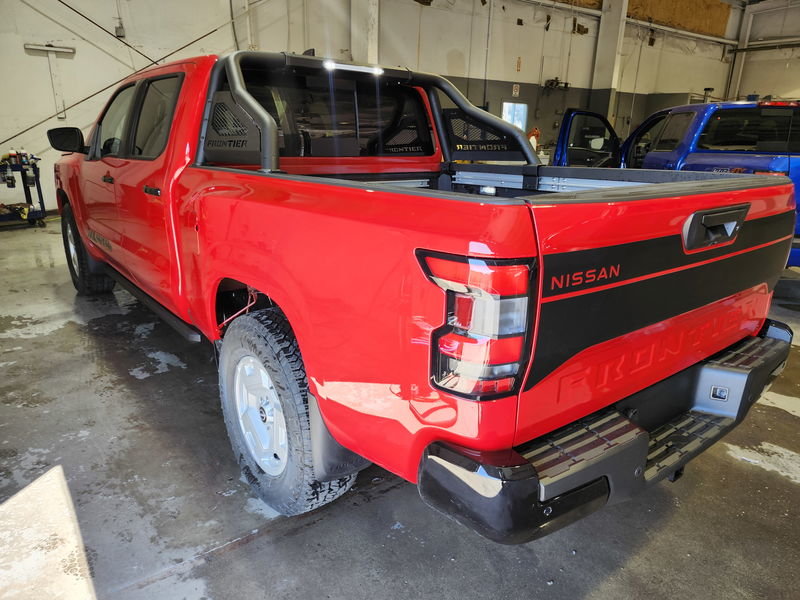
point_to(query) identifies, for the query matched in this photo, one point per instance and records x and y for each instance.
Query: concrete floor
(115, 473)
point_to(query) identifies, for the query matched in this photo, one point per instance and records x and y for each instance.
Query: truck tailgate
(638, 283)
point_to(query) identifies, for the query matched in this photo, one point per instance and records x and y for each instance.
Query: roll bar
(230, 65)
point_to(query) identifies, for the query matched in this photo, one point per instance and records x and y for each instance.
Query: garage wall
(526, 43)
(671, 64)
(658, 67)
(775, 72)
(484, 46)
(154, 27)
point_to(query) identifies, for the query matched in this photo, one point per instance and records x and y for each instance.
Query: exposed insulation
(709, 17)
(596, 4)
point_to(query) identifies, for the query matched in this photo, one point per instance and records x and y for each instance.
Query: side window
(155, 117)
(643, 142)
(794, 133)
(591, 143)
(115, 121)
(674, 131)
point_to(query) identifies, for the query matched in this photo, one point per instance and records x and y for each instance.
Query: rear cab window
(753, 129)
(335, 116)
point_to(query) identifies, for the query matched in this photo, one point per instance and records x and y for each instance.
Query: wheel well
(234, 296)
(61, 198)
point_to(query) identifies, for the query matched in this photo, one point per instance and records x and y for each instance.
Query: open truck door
(586, 139)
(640, 142)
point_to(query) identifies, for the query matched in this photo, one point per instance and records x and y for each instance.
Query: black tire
(86, 282)
(266, 336)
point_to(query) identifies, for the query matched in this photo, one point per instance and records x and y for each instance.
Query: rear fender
(331, 459)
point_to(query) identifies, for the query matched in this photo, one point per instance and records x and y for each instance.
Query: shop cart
(26, 165)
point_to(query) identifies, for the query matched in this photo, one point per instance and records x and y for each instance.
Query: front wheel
(264, 393)
(86, 282)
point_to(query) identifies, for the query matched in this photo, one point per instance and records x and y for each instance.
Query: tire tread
(273, 328)
(85, 282)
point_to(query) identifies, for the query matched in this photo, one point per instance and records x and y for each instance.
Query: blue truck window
(590, 142)
(642, 143)
(794, 132)
(749, 130)
(673, 132)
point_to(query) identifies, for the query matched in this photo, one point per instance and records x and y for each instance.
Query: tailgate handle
(707, 228)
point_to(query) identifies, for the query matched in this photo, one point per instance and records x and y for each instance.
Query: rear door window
(674, 131)
(759, 129)
(155, 117)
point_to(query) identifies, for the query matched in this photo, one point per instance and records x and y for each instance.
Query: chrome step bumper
(674, 444)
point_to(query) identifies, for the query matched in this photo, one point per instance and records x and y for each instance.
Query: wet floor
(110, 419)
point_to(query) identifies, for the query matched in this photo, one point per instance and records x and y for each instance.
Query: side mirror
(67, 139)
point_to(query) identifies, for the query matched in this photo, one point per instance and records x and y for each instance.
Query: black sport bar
(231, 65)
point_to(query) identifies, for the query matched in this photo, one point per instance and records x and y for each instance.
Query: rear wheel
(86, 282)
(264, 401)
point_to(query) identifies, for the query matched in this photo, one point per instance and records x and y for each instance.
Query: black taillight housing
(481, 350)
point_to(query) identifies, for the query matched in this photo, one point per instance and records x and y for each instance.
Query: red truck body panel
(363, 311)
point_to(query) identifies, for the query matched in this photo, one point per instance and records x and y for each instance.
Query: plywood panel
(596, 4)
(709, 17)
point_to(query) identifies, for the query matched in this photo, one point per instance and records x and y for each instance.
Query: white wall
(775, 72)
(154, 27)
(672, 64)
(450, 38)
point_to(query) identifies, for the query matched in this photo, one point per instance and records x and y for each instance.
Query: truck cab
(721, 137)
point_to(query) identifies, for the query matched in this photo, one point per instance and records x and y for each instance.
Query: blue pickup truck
(729, 137)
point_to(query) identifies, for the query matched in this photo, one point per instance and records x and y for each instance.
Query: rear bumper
(524, 493)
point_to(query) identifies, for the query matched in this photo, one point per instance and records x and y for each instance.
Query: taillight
(783, 173)
(480, 350)
(779, 103)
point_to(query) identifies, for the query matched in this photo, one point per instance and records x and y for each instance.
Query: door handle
(153, 191)
(108, 179)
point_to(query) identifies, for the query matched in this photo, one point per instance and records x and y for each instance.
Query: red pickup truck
(389, 275)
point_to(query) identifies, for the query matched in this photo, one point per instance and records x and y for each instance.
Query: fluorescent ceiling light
(45, 48)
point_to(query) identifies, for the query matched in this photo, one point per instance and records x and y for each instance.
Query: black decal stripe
(571, 325)
(652, 256)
